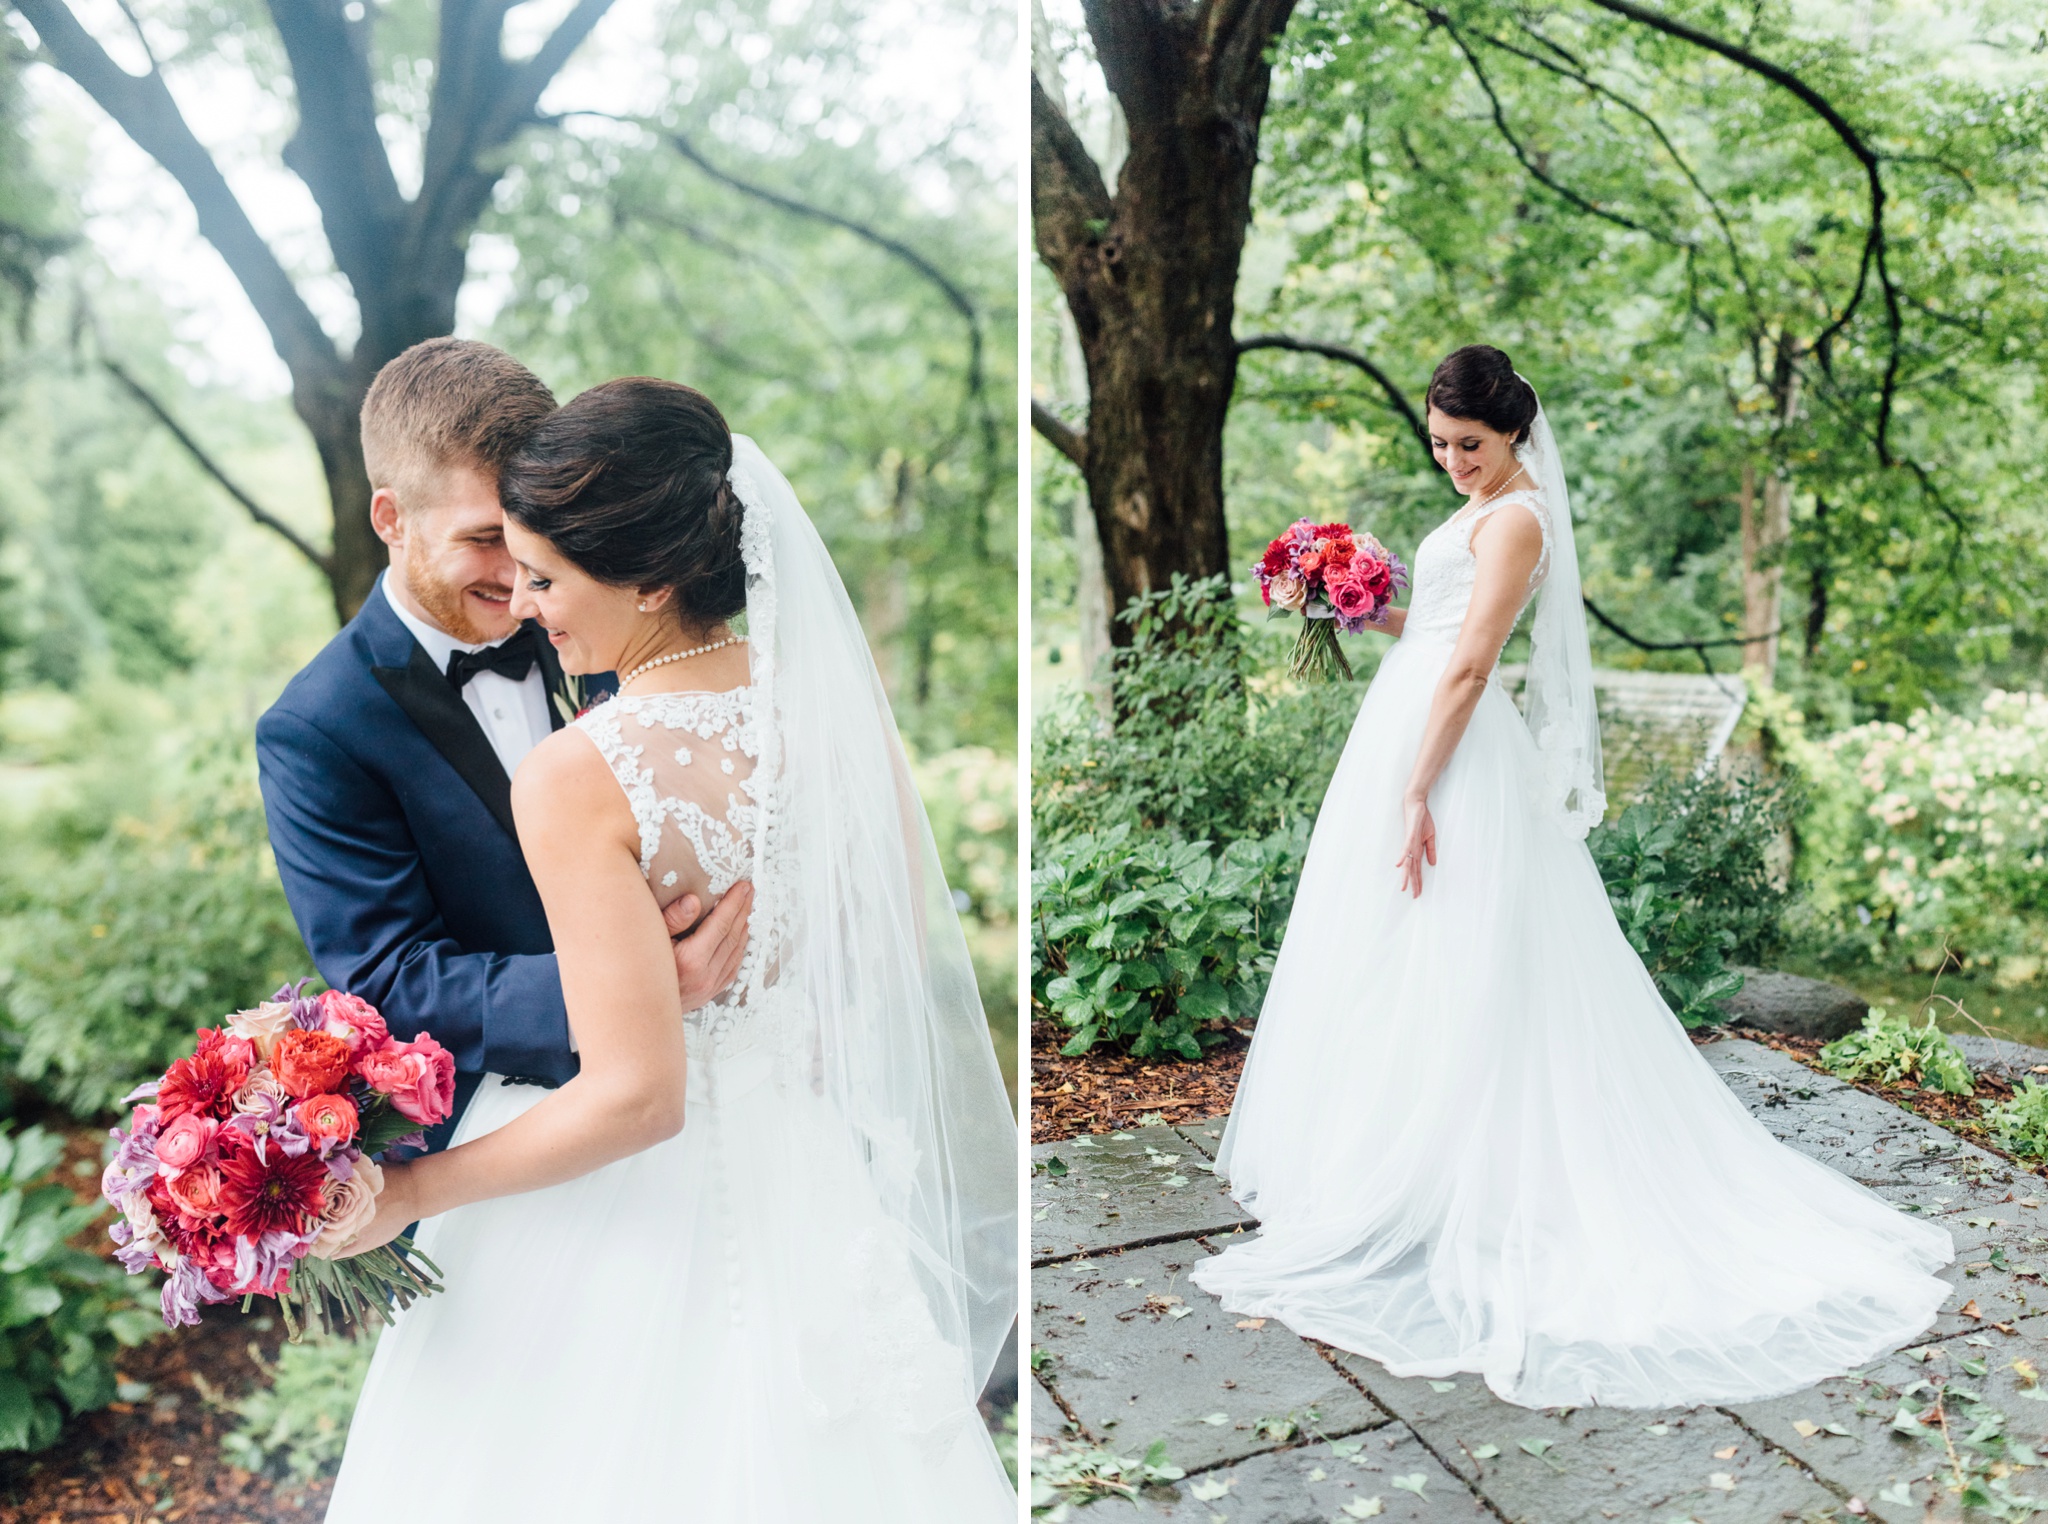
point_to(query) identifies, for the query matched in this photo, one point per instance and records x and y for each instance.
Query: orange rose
(328, 1118)
(309, 1063)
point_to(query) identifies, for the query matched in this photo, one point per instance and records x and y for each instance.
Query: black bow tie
(512, 657)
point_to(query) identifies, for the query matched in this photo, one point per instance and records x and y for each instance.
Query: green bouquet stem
(1317, 656)
(366, 1288)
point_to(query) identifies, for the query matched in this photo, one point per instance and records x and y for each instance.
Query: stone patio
(1275, 1429)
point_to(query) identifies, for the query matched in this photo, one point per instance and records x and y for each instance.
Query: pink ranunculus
(418, 1076)
(196, 1192)
(351, 1203)
(1351, 599)
(1289, 592)
(354, 1020)
(184, 1143)
(327, 1118)
(263, 1025)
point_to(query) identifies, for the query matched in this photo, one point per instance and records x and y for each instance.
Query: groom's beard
(447, 603)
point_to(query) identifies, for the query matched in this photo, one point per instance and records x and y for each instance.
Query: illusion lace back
(1474, 1136)
(726, 1326)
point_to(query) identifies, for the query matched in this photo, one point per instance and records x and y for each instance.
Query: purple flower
(144, 1092)
(184, 1289)
(305, 1011)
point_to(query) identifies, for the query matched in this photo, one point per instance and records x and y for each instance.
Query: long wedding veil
(1558, 694)
(852, 906)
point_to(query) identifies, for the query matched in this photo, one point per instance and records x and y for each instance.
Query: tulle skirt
(1477, 1140)
(720, 1330)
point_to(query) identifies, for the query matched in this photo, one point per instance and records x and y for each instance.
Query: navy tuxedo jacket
(391, 820)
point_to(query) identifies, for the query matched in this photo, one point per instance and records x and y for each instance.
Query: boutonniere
(572, 701)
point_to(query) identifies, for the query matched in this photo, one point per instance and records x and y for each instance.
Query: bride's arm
(1507, 546)
(618, 982)
(1391, 624)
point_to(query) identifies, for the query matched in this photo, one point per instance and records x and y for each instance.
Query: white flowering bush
(1934, 834)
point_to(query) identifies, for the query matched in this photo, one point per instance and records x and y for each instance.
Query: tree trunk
(1766, 533)
(1150, 274)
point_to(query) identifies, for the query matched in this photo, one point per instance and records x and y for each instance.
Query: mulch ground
(157, 1458)
(1104, 1091)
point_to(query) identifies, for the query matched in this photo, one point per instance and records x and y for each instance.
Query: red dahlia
(206, 1083)
(262, 1195)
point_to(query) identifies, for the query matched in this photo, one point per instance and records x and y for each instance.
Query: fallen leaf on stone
(1535, 1447)
(1659, 1429)
(1254, 1324)
(1175, 1182)
(1217, 1420)
(1727, 1454)
(1055, 1166)
(1362, 1508)
(1319, 1475)
(1974, 1367)
(1208, 1490)
(1898, 1492)
(1721, 1481)
(1976, 1339)
(1413, 1482)
(2024, 1369)
(1040, 1214)
(1835, 1428)
(1134, 1280)
(1180, 1312)
(1806, 1430)
(1969, 1310)
(1486, 1452)
(1443, 1386)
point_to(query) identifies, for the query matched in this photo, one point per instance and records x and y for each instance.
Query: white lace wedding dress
(1475, 1137)
(724, 1329)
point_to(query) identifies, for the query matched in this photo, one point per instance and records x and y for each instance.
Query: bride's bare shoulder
(566, 784)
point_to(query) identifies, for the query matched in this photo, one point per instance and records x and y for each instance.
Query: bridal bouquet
(1335, 578)
(247, 1167)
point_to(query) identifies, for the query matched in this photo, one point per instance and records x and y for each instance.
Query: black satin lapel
(554, 682)
(445, 720)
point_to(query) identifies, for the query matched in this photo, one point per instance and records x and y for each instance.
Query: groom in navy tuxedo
(386, 764)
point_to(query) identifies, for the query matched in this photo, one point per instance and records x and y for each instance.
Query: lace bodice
(1446, 569)
(687, 764)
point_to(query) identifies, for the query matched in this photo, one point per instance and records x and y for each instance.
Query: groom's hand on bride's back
(708, 947)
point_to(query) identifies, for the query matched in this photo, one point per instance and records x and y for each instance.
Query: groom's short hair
(447, 402)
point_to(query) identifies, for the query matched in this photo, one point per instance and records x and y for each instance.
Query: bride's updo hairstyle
(1479, 382)
(628, 481)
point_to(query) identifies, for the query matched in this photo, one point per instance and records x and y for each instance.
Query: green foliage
(114, 952)
(1928, 841)
(1198, 748)
(63, 1311)
(2019, 1123)
(1066, 1476)
(1688, 872)
(1145, 941)
(295, 1428)
(1890, 1049)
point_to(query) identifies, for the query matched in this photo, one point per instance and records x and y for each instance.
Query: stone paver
(1139, 1354)
(1127, 1188)
(1141, 1207)
(1314, 1483)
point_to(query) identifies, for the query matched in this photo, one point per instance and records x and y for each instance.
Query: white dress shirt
(514, 715)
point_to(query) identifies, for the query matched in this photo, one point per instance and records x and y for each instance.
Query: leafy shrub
(1688, 872)
(1199, 748)
(1891, 1049)
(62, 1310)
(2019, 1124)
(1142, 940)
(1930, 839)
(296, 1427)
(111, 955)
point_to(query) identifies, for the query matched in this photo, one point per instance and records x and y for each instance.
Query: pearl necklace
(730, 640)
(1520, 471)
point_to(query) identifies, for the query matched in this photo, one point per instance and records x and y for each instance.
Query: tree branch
(1396, 398)
(1698, 648)
(1061, 435)
(1874, 243)
(1067, 189)
(213, 468)
(143, 107)
(1536, 172)
(336, 148)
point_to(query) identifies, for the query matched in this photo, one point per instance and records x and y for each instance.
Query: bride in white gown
(1474, 1136)
(751, 1265)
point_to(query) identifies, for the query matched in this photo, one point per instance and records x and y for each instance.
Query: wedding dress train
(1475, 1137)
